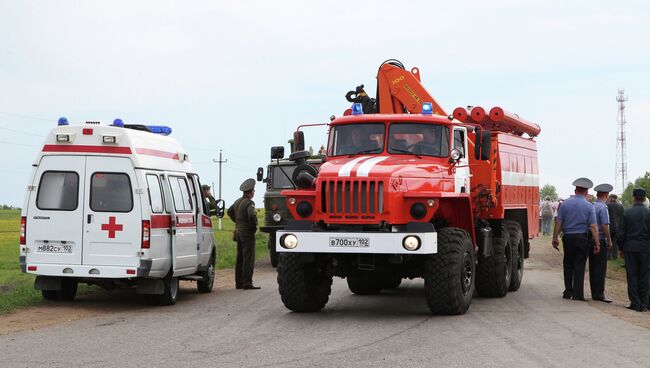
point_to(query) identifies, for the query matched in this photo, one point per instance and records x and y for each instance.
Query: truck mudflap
(306, 241)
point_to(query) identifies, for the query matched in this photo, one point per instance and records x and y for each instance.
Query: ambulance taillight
(146, 233)
(23, 230)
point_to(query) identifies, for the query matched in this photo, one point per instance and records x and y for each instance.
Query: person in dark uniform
(242, 213)
(598, 261)
(615, 209)
(576, 218)
(212, 203)
(634, 244)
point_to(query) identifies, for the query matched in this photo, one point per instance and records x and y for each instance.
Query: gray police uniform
(598, 261)
(242, 212)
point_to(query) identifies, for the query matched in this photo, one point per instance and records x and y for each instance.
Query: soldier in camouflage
(242, 213)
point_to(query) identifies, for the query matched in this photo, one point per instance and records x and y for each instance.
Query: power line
(25, 116)
(20, 144)
(21, 132)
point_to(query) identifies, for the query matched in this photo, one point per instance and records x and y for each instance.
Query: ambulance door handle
(171, 231)
(90, 218)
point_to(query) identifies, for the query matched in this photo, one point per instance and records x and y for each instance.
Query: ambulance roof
(145, 149)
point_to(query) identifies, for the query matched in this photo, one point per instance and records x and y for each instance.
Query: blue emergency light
(63, 121)
(160, 129)
(118, 123)
(357, 109)
(427, 108)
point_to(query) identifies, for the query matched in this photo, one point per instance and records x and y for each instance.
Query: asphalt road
(533, 327)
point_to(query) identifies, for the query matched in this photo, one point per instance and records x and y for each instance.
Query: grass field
(17, 288)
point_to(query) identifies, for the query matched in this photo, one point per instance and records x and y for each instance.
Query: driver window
(459, 141)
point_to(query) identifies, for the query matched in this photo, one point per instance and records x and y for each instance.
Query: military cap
(638, 192)
(248, 184)
(583, 183)
(205, 187)
(603, 188)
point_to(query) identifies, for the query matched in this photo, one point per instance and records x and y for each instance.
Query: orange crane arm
(400, 90)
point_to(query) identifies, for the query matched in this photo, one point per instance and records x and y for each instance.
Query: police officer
(212, 203)
(615, 210)
(242, 213)
(598, 261)
(576, 218)
(634, 243)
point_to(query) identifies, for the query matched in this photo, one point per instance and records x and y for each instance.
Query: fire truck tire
(449, 276)
(364, 284)
(391, 282)
(272, 252)
(170, 293)
(207, 282)
(493, 273)
(303, 286)
(517, 246)
(68, 289)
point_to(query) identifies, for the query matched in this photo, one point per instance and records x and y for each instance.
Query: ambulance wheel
(171, 291)
(494, 272)
(50, 294)
(303, 286)
(364, 284)
(206, 283)
(450, 274)
(517, 246)
(68, 289)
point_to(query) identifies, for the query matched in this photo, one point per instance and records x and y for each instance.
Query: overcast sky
(241, 75)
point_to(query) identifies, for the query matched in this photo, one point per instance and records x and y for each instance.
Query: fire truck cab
(115, 205)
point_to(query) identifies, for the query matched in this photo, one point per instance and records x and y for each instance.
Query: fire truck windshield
(352, 139)
(418, 139)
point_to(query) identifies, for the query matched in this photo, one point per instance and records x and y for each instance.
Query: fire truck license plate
(350, 242)
(54, 248)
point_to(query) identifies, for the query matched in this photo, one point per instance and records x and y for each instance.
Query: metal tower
(621, 160)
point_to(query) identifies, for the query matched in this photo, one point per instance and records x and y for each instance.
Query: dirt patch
(544, 257)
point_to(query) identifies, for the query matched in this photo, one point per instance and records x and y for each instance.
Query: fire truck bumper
(360, 242)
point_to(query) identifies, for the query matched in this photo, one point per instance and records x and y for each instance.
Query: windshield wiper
(393, 149)
(366, 151)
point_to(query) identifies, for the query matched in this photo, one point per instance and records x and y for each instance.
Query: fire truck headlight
(277, 217)
(411, 243)
(289, 241)
(418, 210)
(304, 209)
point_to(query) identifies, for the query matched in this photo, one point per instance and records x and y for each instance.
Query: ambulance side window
(110, 192)
(155, 193)
(58, 191)
(181, 194)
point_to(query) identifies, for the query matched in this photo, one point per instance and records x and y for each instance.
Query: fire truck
(410, 191)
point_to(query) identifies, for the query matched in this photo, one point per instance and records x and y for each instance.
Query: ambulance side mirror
(260, 174)
(220, 208)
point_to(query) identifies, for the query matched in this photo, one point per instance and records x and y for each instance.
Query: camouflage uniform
(243, 214)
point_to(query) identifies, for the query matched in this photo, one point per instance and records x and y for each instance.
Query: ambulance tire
(207, 282)
(493, 273)
(170, 293)
(449, 278)
(303, 286)
(364, 284)
(68, 289)
(517, 246)
(50, 294)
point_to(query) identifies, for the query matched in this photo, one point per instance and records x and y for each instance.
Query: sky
(240, 76)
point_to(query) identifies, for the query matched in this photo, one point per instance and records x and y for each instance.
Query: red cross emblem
(112, 227)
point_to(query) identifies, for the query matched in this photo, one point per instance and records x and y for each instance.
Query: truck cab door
(183, 225)
(462, 174)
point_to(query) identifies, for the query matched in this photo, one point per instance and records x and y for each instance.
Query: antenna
(621, 160)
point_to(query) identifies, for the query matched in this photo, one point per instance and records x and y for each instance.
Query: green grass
(17, 288)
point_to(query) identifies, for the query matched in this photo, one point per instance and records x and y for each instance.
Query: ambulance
(116, 206)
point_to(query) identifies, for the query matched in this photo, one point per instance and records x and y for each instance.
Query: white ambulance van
(115, 205)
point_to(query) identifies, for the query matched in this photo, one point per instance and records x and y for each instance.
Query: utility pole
(621, 160)
(220, 161)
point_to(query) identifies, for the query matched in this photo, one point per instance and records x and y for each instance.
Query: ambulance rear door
(55, 211)
(112, 214)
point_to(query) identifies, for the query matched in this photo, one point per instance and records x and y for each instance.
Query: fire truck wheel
(205, 284)
(517, 246)
(171, 291)
(272, 252)
(364, 285)
(303, 286)
(449, 276)
(68, 289)
(391, 282)
(494, 272)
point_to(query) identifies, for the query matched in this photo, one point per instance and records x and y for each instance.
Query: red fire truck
(408, 191)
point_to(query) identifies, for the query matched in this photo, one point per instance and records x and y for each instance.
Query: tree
(640, 182)
(548, 190)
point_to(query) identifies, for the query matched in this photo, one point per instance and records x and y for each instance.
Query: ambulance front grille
(352, 197)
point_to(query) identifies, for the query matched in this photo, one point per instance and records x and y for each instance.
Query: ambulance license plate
(350, 242)
(54, 248)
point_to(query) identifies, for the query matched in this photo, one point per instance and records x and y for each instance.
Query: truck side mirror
(220, 209)
(277, 152)
(486, 144)
(299, 140)
(260, 174)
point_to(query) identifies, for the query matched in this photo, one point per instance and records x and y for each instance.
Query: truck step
(192, 278)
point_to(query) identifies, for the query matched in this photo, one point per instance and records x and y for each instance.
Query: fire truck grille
(352, 197)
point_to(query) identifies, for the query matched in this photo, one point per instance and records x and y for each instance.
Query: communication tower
(621, 160)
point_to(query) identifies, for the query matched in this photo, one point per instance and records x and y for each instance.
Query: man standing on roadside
(242, 213)
(615, 210)
(598, 261)
(546, 210)
(576, 218)
(634, 244)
